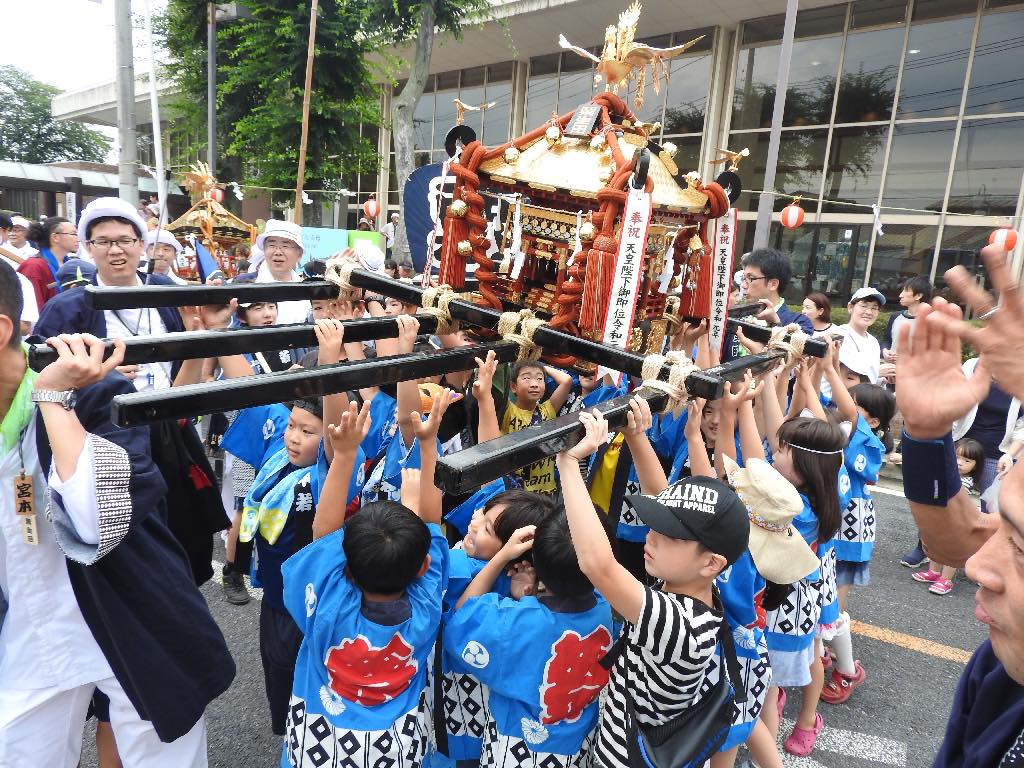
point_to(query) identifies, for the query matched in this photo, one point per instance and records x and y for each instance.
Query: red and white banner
(629, 267)
(724, 244)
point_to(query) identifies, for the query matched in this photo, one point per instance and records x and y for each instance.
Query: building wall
(906, 104)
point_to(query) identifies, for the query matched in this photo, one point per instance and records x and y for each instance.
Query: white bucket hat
(163, 236)
(102, 207)
(776, 547)
(277, 228)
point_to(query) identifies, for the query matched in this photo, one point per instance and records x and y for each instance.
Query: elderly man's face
(18, 236)
(281, 255)
(116, 249)
(998, 568)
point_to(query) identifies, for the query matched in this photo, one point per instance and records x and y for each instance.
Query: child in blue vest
(868, 408)
(367, 598)
(538, 655)
(463, 704)
(808, 452)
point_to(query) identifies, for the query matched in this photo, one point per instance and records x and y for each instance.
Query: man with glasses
(18, 237)
(281, 244)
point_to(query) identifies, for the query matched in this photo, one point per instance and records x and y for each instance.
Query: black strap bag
(692, 737)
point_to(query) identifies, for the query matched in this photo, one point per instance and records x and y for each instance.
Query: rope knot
(674, 388)
(434, 303)
(789, 339)
(520, 327)
(339, 272)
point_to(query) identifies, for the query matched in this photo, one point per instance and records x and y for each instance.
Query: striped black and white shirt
(663, 664)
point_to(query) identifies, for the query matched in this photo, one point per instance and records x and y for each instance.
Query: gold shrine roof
(572, 166)
(208, 212)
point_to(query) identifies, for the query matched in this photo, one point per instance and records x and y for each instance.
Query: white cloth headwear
(103, 207)
(163, 236)
(284, 229)
(369, 255)
(20, 221)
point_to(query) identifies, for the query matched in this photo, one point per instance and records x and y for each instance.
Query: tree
(261, 73)
(424, 19)
(28, 132)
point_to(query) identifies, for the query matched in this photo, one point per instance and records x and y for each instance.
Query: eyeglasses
(67, 234)
(281, 247)
(124, 243)
(747, 279)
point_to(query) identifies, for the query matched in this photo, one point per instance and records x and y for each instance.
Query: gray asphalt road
(896, 718)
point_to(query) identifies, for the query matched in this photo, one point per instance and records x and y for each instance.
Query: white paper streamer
(577, 245)
(669, 266)
(877, 219)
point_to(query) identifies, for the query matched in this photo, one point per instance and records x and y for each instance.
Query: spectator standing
(818, 309)
(18, 237)
(281, 245)
(58, 239)
(163, 250)
(389, 230)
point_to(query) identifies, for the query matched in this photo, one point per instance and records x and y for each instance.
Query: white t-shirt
(126, 323)
(29, 306)
(860, 352)
(388, 230)
(288, 312)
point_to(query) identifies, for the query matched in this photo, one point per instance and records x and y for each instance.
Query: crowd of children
(679, 577)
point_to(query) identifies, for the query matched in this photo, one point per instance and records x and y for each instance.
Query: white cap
(369, 255)
(276, 228)
(163, 236)
(868, 292)
(20, 221)
(102, 207)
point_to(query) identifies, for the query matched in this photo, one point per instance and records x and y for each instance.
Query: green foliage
(28, 132)
(261, 73)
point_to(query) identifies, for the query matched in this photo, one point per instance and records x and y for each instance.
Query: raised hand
(427, 430)
(639, 418)
(330, 335)
(485, 370)
(411, 479)
(1000, 341)
(694, 417)
(596, 433)
(932, 390)
(353, 426)
(518, 544)
(408, 329)
(79, 362)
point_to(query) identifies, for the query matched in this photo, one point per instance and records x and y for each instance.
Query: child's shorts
(792, 669)
(853, 574)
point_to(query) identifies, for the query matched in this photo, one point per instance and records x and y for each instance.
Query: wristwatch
(67, 398)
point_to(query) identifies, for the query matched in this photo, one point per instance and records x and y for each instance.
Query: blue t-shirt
(862, 458)
(539, 663)
(382, 424)
(257, 433)
(353, 674)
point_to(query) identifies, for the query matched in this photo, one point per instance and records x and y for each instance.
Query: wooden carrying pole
(310, 50)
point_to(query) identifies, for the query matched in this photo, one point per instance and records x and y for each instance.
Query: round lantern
(1004, 238)
(217, 194)
(792, 216)
(371, 208)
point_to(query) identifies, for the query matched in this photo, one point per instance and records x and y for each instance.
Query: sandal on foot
(802, 740)
(839, 687)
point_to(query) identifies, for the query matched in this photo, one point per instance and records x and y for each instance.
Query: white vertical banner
(71, 207)
(629, 268)
(724, 244)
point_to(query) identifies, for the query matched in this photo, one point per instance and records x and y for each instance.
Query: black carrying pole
(763, 334)
(471, 468)
(188, 345)
(248, 391)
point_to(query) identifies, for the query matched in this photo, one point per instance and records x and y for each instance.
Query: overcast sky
(67, 43)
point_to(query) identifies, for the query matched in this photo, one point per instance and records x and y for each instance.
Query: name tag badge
(25, 508)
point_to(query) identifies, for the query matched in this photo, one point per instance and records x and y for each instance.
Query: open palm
(932, 390)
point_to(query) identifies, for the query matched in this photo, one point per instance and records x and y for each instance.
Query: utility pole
(211, 87)
(310, 50)
(767, 202)
(128, 180)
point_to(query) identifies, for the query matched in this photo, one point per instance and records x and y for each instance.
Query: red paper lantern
(371, 208)
(792, 216)
(217, 194)
(1004, 238)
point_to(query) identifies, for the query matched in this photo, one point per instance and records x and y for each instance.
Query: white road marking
(864, 746)
(254, 592)
(887, 491)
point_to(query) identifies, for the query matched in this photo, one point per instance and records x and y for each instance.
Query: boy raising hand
(698, 527)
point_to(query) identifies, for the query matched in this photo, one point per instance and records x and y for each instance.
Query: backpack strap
(728, 650)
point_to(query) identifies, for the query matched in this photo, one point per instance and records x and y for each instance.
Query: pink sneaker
(927, 577)
(839, 687)
(941, 587)
(801, 741)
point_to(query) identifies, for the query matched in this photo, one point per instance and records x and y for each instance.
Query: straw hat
(776, 547)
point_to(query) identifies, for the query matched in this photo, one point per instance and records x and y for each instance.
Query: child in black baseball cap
(698, 527)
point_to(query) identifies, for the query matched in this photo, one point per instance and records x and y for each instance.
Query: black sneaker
(915, 558)
(234, 587)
